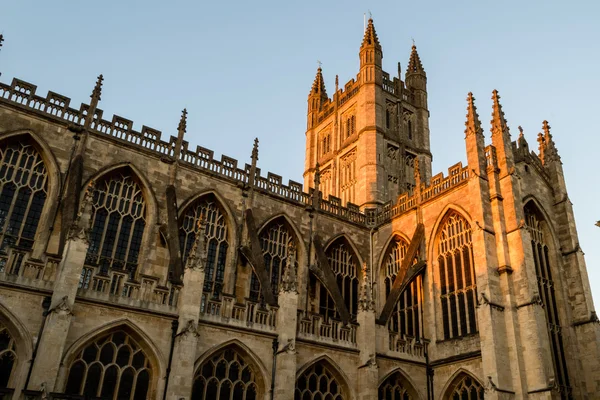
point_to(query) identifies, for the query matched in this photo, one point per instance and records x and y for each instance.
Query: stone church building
(136, 266)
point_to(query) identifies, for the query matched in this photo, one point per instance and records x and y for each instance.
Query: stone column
(53, 338)
(181, 377)
(367, 369)
(287, 316)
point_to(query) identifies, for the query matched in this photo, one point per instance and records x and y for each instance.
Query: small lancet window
(118, 222)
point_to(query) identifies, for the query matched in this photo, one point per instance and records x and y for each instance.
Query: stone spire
(499, 125)
(254, 158)
(288, 280)
(181, 129)
(370, 39)
(548, 151)
(473, 125)
(95, 96)
(365, 293)
(414, 63)
(318, 86)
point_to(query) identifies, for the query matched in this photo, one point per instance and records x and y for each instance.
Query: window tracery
(318, 382)
(466, 388)
(274, 242)
(457, 277)
(23, 192)
(406, 318)
(113, 367)
(8, 355)
(344, 265)
(348, 176)
(225, 376)
(216, 235)
(393, 388)
(546, 287)
(118, 222)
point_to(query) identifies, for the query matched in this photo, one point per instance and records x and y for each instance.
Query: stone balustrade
(316, 328)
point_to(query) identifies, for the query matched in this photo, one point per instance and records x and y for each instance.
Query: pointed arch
(346, 265)
(442, 216)
(453, 269)
(16, 351)
(399, 384)
(118, 338)
(220, 232)
(463, 383)
(231, 360)
(123, 230)
(275, 236)
(323, 375)
(545, 260)
(531, 200)
(27, 225)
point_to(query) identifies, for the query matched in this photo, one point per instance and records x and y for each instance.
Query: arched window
(394, 388)
(118, 221)
(23, 189)
(538, 230)
(112, 367)
(344, 265)
(319, 382)
(8, 355)
(465, 387)
(226, 376)
(457, 277)
(274, 242)
(216, 238)
(406, 318)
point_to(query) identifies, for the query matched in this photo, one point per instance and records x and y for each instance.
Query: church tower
(365, 139)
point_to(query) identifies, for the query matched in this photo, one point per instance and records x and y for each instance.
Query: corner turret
(371, 56)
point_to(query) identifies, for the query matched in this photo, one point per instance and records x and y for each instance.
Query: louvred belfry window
(118, 221)
(344, 265)
(406, 318)
(8, 355)
(216, 235)
(112, 367)
(225, 376)
(275, 240)
(457, 277)
(318, 382)
(546, 286)
(23, 189)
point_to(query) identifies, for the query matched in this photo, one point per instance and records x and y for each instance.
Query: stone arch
(231, 221)
(261, 375)
(150, 202)
(337, 373)
(531, 199)
(457, 379)
(350, 242)
(455, 289)
(407, 382)
(156, 359)
(301, 245)
(54, 187)
(23, 347)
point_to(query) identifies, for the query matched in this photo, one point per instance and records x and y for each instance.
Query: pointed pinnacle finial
(499, 125)
(473, 125)
(1, 39)
(254, 155)
(318, 86)
(370, 38)
(550, 153)
(288, 280)
(365, 295)
(317, 175)
(414, 63)
(182, 127)
(98, 88)
(546, 127)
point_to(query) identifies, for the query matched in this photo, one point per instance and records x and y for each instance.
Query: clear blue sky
(244, 69)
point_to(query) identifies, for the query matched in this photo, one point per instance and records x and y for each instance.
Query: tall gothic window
(23, 189)
(319, 382)
(8, 355)
(457, 277)
(112, 367)
(348, 176)
(394, 388)
(216, 238)
(344, 265)
(274, 242)
(118, 221)
(465, 388)
(406, 318)
(225, 376)
(537, 228)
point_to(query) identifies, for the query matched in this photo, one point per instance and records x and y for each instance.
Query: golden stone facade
(134, 267)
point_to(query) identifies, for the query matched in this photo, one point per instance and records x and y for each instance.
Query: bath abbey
(134, 265)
